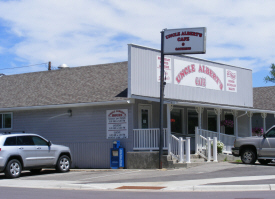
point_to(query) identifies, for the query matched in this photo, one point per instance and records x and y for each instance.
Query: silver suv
(31, 152)
(256, 148)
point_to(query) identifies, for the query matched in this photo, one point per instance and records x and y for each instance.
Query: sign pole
(161, 102)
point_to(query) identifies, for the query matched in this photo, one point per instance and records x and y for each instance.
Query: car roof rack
(13, 132)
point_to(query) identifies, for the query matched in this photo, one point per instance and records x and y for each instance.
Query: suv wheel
(264, 161)
(248, 156)
(63, 164)
(13, 169)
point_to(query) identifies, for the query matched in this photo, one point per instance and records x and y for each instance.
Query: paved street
(222, 176)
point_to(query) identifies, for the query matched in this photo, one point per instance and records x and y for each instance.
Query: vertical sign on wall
(117, 124)
(231, 80)
(167, 69)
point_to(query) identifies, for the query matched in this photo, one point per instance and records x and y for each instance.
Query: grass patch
(238, 161)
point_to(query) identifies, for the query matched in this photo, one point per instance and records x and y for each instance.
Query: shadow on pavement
(28, 174)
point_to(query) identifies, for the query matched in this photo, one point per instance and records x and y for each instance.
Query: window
(211, 121)
(271, 133)
(39, 141)
(10, 141)
(5, 120)
(25, 140)
(176, 121)
(144, 116)
(192, 121)
(229, 129)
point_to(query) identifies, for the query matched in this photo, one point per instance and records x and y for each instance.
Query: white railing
(227, 140)
(148, 139)
(177, 148)
(205, 145)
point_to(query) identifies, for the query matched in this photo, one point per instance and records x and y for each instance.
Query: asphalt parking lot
(223, 173)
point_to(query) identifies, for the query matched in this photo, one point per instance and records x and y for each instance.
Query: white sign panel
(198, 75)
(231, 80)
(117, 124)
(167, 69)
(185, 41)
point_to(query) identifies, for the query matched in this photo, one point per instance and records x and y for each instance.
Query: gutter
(223, 107)
(129, 101)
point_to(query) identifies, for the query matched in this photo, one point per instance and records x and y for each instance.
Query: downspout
(237, 133)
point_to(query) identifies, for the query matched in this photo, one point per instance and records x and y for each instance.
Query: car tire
(63, 164)
(248, 156)
(13, 169)
(35, 171)
(264, 161)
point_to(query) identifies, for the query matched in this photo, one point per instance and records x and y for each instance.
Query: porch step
(195, 160)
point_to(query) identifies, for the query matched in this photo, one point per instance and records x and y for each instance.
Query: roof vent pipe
(62, 66)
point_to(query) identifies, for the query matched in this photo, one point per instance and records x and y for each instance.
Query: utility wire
(22, 66)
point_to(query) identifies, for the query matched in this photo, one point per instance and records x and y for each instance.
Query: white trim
(129, 73)
(130, 101)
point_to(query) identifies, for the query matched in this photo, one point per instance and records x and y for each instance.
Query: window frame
(6, 113)
(182, 119)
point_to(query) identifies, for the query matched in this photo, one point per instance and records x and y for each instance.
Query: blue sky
(85, 32)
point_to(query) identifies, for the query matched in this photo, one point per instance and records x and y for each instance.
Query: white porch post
(250, 114)
(199, 110)
(187, 149)
(264, 122)
(218, 113)
(197, 139)
(169, 108)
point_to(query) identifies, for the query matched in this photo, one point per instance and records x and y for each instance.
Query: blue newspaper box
(116, 156)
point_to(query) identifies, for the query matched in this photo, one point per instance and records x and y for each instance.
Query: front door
(144, 116)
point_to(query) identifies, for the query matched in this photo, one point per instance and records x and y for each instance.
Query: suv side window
(39, 141)
(10, 141)
(24, 140)
(271, 133)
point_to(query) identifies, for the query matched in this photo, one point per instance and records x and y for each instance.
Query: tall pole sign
(178, 41)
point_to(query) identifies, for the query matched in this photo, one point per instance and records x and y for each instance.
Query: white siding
(143, 80)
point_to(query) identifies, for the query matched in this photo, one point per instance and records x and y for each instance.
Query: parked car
(261, 148)
(31, 152)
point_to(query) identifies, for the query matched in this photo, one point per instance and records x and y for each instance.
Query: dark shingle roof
(106, 82)
(264, 98)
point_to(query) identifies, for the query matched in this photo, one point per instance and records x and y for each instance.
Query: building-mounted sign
(198, 75)
(117, 124)
(185, 41)
(167, 69)
(231, 80)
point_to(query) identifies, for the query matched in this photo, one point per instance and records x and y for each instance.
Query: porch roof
(264, 102)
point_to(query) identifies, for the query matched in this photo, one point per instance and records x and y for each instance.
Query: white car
(31, 152)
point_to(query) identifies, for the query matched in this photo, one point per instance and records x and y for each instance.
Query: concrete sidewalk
(223, 176)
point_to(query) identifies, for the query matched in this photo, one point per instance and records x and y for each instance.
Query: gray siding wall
(257, 120)
(84, 132)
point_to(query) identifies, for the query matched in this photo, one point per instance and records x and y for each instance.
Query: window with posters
(117, 124)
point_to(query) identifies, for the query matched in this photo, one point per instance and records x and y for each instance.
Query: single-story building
(88, 107)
